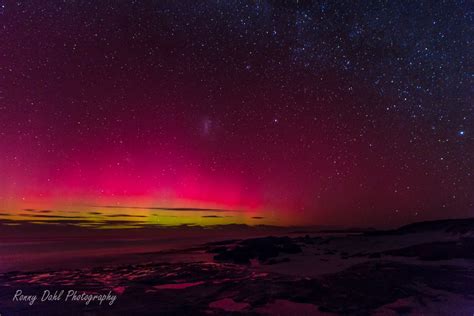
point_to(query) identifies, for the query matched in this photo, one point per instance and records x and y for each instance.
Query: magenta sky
(297, 111)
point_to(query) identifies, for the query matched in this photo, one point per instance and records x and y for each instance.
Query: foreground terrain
(420, 269)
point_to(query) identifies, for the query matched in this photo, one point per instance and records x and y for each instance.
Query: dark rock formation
(256, 248)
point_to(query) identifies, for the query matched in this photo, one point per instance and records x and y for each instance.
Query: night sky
(312, 112)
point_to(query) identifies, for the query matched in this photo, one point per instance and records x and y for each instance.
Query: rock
(375, 255)
(260, 248)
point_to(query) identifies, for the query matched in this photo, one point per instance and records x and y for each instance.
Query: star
(263, 107)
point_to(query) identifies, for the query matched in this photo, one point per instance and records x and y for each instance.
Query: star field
(309, 111)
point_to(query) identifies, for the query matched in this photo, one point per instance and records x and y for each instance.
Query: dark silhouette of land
(422, 268)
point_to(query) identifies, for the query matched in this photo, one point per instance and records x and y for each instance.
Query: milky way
(305, 111)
